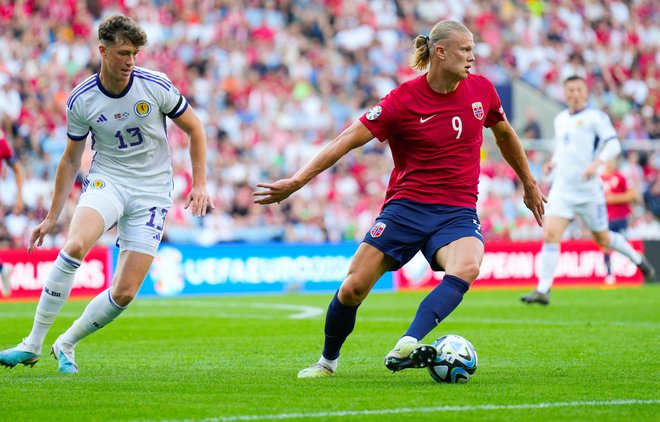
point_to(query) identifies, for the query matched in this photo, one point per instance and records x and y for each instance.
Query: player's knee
(352, 294)
(603, 241)
(75, 248)
(123, 297)
(469, 271)
(551, 237)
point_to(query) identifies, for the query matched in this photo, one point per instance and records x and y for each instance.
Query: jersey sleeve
(381, 119)
(171, 102)
(495, 110)
(603, 127)
(76, 127)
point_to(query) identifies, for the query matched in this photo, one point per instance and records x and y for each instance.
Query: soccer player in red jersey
(7, 154)
(618, 197)
(433, 124)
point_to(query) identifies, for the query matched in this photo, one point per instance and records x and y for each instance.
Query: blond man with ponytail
(433, 124)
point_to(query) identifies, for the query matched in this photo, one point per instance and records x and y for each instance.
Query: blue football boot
(65, 357)
(19, 354)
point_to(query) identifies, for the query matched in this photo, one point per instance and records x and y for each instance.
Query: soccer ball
(456, 361)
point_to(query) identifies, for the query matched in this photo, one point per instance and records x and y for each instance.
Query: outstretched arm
(198, 196)
(67, 169)
(355, 136)
(514, 154)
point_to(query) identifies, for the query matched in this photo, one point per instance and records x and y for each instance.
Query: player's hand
(37, 236)
(275, 192)
(200, 200)
(535, 201)
(591, 170)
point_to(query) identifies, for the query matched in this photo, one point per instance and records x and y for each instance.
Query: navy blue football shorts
(618, 226)
(405, 227)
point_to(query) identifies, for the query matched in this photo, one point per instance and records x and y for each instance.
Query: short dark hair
(121, 29)
(574, 78)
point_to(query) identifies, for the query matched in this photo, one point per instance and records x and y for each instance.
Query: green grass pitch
(592, 355)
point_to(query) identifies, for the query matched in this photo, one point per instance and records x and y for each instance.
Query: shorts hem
(144, 248)
(431, 261)
(107, 225)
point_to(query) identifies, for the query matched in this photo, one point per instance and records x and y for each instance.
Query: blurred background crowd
(272, 80)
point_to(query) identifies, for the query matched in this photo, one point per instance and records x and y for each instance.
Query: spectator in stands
(531, 129)
(245, 49)
(8, 156)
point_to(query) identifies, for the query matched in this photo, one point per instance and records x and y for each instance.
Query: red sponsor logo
(518, 264)
(29, 272)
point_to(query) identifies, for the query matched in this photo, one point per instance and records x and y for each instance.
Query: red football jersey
(6, 153)
(616, 183)
(435, 138)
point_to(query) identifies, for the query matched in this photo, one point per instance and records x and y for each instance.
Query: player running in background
(618, 196)
(7, 154)
(585, 140)
(434, 124)
(129, 185)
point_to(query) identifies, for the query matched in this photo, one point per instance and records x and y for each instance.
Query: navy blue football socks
(606, 255)
(435, 307)
(339, 323)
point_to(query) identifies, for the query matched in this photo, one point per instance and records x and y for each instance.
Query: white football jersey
(129, 132)
(579, 138)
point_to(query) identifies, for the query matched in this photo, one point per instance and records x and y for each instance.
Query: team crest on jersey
(97, 184)
(374, 113)
(378, 229)
(478, 110)
(142, 108)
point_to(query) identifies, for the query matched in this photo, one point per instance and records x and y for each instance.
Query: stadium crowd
(274, 79)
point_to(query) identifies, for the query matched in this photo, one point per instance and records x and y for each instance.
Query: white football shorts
(139, 215)
(593, 212)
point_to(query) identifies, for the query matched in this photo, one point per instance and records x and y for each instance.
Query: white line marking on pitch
(300, 311)
(303, 312)
(403, 410)
(595, 323)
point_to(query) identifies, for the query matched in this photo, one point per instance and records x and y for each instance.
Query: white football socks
(406, 340)
(332, 364)
(101, 311)
(56, 291)
(549, 260)
(621, 245)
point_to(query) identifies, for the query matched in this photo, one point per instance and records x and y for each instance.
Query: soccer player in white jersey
(585, 140)
(129, 185)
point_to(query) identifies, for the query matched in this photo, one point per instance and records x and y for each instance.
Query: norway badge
(378, 229)
(478, 110)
